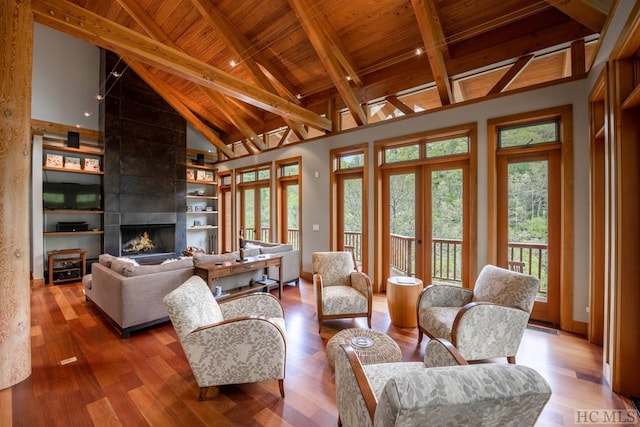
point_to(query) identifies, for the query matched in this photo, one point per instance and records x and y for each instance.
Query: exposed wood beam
(155, 32)
(324, 49)
(339, 50)
(88, 26)
(214, 119)
(458, 91)
(424, 12)
(393, 100)
(438, 32)
(168, 95)
(582, 11)
(578, 60)
(234, 118)
(511, 74)
(263, 72)
(283, 138)
(251, 59)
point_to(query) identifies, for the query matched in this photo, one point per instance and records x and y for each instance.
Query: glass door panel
(447, 225)
(265, 215)
(528, 228)
(402, 222)
(292, 215)
(352, 216)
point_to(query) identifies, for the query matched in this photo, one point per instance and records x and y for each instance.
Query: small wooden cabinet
(66, 265)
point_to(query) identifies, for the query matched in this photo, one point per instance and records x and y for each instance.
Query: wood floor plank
(102, 413)
(146, 380)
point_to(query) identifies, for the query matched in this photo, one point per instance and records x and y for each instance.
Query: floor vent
(543, 329)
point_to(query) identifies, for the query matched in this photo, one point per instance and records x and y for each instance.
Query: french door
(529, 200)
(425, 222)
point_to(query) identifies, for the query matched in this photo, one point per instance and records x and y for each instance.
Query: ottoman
(370, 345)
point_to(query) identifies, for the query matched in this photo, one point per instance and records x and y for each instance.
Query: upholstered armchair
(340, 291)
(486, 322)
(423, 393)
(237, 341)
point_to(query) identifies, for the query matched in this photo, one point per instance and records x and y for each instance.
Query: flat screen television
(70, 195)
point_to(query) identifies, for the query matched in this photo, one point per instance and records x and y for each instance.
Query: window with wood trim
(349, 219)
(530, 155)
(289, 203)
(254, 200)
(426, 184)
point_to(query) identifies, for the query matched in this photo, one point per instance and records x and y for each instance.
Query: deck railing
(446, 260)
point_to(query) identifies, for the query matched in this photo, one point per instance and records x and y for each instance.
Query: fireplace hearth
(147, 239)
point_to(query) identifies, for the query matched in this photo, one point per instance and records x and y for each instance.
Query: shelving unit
(59, 233)
(66, 265)
(202, 208)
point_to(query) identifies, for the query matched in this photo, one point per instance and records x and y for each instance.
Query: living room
(76, 61)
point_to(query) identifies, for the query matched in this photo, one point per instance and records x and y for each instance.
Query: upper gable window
(529, 134)
(447, 147)
(255, 175)
(350, 161)
(402, 153)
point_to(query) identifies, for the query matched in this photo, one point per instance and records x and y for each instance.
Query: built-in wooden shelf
(49, 168)
(633, 100)
(71, 233)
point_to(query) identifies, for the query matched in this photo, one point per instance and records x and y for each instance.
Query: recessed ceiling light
(233, 63)
(348, 78)
(87, 114)
(419, 51)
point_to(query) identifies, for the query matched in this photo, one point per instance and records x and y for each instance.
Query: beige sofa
(290, 259)
(131, 295)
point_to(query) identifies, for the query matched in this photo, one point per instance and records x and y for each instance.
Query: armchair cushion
(343, 299)
(334, 267)
(501, 286)
(203, 309)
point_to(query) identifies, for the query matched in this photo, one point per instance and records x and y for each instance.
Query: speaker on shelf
(73, 139)
(200, 159)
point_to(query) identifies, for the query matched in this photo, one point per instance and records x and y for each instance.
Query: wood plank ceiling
(253, 74)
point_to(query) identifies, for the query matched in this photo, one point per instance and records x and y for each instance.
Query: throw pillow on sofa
(140, 270)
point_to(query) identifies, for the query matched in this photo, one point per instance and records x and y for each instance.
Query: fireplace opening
(140, 240)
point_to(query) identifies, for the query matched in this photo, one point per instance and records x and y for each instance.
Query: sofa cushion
(276, 249)
(207, 258)
(105, 259)
(140, 270)
(120, 264)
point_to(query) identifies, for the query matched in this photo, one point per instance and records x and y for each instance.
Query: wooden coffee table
(211, 271)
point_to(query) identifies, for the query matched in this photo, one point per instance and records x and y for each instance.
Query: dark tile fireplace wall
(145, 157)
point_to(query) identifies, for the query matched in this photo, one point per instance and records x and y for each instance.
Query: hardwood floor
(85, 374)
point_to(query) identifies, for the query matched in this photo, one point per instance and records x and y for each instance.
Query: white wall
(66, 79)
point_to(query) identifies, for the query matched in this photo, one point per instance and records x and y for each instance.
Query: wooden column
(16, 39)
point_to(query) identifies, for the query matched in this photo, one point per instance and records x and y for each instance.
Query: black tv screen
(69, 195)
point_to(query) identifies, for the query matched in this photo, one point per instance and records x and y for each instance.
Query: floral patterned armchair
(340, 290)
(238, 341)
(444, 390)
(486, 322)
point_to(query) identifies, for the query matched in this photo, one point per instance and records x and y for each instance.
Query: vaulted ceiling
(250, 75)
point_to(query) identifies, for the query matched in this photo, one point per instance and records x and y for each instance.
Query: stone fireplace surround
(144, 160)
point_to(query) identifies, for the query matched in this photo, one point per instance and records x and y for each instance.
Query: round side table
(402, 296)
